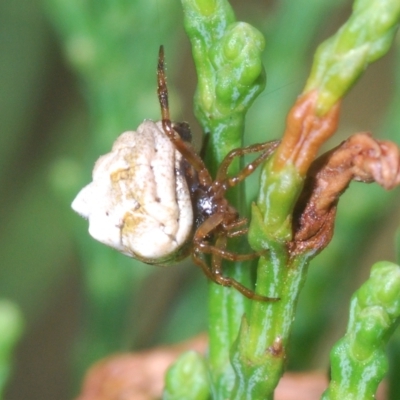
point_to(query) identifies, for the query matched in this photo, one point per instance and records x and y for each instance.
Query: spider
(215, 219)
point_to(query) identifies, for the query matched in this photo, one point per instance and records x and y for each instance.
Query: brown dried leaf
(134, 376)
(360, 158)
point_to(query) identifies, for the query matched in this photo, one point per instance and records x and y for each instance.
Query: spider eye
(136, 202)
(183, 129)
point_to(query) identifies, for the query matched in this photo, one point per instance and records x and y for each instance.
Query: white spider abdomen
(138, 201)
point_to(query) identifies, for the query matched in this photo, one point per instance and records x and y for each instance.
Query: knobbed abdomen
(139, 202)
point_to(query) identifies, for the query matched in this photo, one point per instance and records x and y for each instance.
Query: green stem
(227, 56)
(359, 360)
(262, 344)
(230, 74)
(263, 339)
(365, 37)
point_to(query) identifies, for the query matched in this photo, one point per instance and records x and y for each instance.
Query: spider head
(183, 129)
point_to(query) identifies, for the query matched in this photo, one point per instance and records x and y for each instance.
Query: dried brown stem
(305, 133)
(360, 158)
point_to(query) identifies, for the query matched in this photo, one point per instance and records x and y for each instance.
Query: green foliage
(11, 327)
(229, 69)
(260, 349)
(359, 360)
(187, 378)
(364, 38)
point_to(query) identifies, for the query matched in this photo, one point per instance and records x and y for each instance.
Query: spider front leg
(184, 148)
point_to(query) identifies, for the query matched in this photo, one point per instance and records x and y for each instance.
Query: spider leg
(207, 227)
(215, 275)
(232, 228)
(216, 269)
(219, 249)
(199, 261)
(218, 252)
(184, 148)
(266, 149)
(235, 224)
(225, 254)
(237, 233)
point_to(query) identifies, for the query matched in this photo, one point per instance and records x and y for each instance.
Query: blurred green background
(73, 76)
